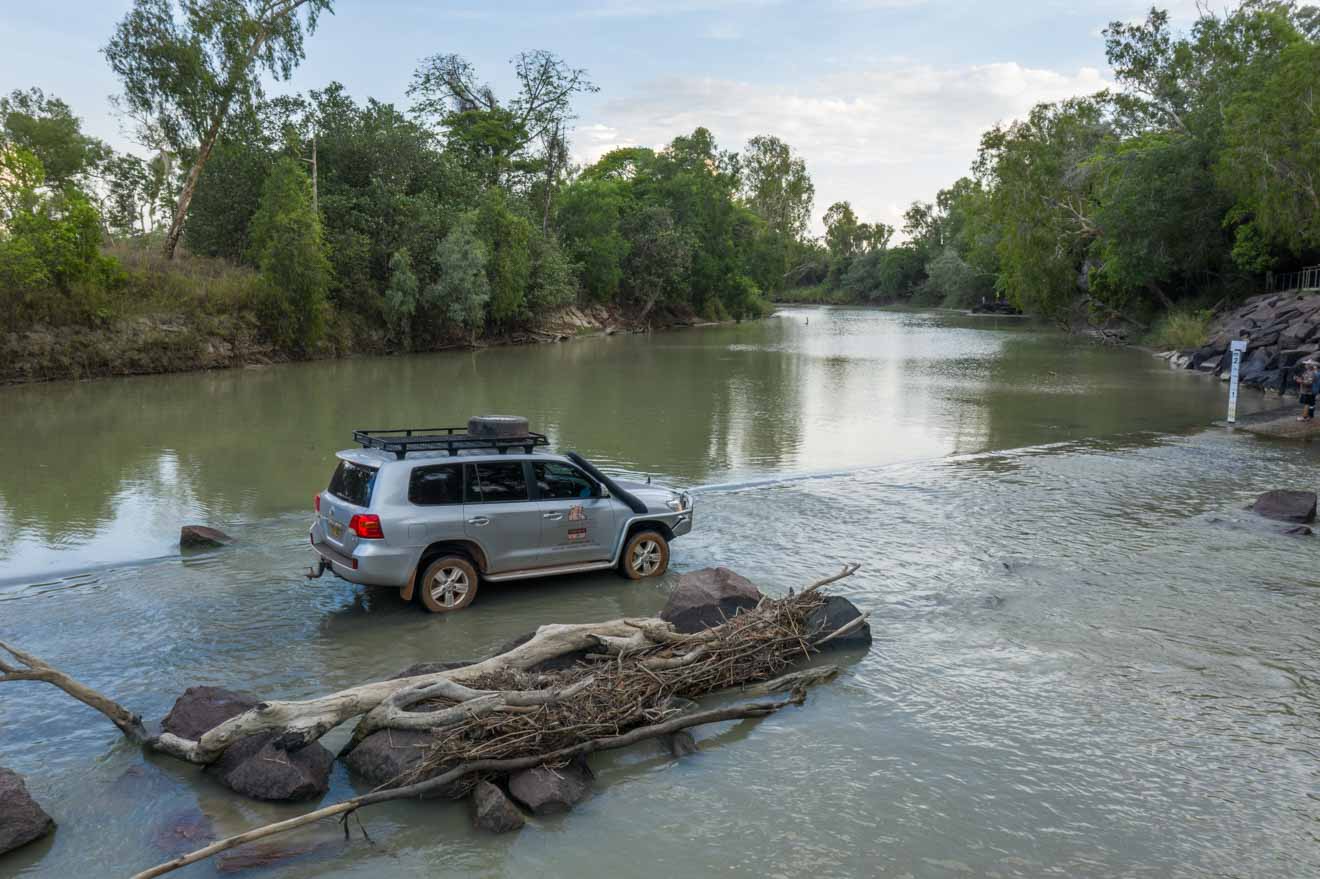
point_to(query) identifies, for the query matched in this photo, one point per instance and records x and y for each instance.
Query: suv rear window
(353, 483)
(430, 486)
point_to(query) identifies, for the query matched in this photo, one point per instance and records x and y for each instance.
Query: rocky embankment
(1281, 331)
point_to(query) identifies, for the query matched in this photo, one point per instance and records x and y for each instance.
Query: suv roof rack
(443, 439)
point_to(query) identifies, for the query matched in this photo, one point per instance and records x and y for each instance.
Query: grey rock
(21, 819)
(1286, 505)
(1299, 531)
(836, 612)
(708, 597)
(387, 754)
(256, 767)
(493, 811)
(547, 791)
(202, 537)
(203, 708)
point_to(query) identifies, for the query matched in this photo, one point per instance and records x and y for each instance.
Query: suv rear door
(349, 493)
(577, 523)
(500, 515)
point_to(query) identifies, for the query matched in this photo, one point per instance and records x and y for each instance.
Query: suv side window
(560, 481)
(430, 486)
(496, 481)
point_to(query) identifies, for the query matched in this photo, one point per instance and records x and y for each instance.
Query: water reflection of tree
(250, 443)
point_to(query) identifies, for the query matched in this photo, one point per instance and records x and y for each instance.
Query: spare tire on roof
(497, 426)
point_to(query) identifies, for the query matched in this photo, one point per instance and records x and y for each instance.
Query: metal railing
(1306, 279)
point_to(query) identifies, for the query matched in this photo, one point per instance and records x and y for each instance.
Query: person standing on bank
(1308, 386)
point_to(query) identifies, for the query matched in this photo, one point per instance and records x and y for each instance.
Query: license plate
(336, 530)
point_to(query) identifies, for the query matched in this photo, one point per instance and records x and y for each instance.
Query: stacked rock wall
(1281, 330)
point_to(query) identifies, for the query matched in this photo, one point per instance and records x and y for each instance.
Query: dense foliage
(1182, 187)
(462, 215)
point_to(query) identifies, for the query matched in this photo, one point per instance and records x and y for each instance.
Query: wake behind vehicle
(435, 511)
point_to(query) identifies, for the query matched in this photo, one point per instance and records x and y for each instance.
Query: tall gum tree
(187, 65)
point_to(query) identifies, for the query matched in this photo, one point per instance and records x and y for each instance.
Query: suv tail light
(316, 502)
(366, 526)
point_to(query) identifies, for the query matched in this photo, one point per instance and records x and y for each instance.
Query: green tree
(462, 290)
(497, 138)
(402, 295)
(1271, 155)
(184, 67)
(286, 244)
(507, 239)
(776, 185)
(588, 220)
(46, 127)
(659, 258)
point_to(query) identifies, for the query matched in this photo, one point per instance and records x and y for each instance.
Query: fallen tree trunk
(439, 782)
(299, 723)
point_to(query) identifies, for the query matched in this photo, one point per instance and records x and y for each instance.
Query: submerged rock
(1286, 505)
(183, 831)
(681, 743)
(835, 613)
(708, 597)
(21, 819)
(202, 537)
(493, 811)
(548, 791)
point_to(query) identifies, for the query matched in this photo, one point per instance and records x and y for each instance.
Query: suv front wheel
(645, 555)
(449, 583)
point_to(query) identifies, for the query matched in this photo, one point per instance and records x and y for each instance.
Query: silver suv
(433, 511)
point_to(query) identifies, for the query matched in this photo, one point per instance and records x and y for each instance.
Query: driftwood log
(501, 714)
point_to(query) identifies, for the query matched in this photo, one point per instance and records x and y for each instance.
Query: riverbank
(188, 341)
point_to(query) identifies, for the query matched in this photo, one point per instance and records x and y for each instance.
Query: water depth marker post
(1237, 347)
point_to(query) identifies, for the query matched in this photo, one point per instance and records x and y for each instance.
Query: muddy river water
(1089, 661)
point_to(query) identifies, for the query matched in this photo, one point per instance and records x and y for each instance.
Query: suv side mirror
(603, 491)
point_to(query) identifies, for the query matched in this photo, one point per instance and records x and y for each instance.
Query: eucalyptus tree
(496, 137)
(776, 185)
(186, 65)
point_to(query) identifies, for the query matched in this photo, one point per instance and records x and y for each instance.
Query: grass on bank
(1181, 329)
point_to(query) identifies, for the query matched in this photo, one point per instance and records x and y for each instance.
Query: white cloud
(880, 137)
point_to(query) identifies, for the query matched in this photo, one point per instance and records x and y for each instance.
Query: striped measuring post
(1237, 348)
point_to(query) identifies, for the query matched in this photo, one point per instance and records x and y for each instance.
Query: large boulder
(546, 791)
(253, 766)
(203, 708)
(21, 819)
(831, 616)
(202, 537)
(708, 597)
(389, 754)
(492, 810)
(1285, 505)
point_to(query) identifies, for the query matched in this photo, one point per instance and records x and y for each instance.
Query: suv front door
(500, 515)
(577, 524)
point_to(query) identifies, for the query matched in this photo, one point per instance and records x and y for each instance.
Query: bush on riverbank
(1180, 330)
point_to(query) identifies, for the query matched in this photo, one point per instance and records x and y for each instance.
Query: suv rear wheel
(645, 555)
(449, 583)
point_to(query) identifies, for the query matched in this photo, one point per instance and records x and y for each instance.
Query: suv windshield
(353, 483)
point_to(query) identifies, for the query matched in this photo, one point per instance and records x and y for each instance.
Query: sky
(886, 100)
